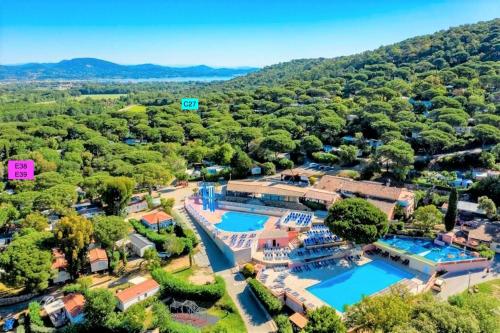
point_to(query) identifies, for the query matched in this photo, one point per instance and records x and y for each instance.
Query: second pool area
(241, 222)
(427, 249)
(349, 287)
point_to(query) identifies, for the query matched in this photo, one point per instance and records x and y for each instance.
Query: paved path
(255, 318)
(457, 283)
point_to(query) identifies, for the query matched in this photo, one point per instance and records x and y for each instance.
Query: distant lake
(164, 79)
(169, 79)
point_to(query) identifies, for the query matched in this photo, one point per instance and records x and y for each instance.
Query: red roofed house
(160, 218)
(73, 306)
(60, 265)
(135, 294)
(98, 260)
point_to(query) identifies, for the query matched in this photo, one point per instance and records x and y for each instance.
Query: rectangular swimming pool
(349, 287)
(427, 249)
(241, 222)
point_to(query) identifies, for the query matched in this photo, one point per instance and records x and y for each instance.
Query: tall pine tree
(451, 214)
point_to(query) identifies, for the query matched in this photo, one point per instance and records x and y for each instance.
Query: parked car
(47, 300)
(9, 324)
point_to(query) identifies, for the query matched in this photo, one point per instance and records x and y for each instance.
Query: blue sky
(219, 32)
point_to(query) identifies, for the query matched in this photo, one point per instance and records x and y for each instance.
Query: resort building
(279, 194)
(98, 260)
(265, 191)
(378, 194)
(157, 220)
(60, 265)
(139, 292)
(477, 234)
(139, 244)
(273, 238)
(73, 307)
(69, 308)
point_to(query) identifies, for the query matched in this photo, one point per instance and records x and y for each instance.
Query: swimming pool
(427, 249)
(349, 287)
(241, 222)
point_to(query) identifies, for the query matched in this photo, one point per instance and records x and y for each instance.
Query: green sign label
(189, 104)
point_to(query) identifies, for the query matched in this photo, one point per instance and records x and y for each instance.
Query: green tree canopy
(27, 261)
(324, 320)
(73, 235)
(357, 220)
(109, 229)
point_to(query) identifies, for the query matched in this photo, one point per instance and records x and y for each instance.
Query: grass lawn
(229, 316)
(491, 288)
(100, 96)
(134, 108)
(185, 273)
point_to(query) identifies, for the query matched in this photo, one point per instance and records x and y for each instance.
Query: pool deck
(296, 283)
(235, 241)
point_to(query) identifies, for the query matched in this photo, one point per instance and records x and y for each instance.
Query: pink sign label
(21, 170)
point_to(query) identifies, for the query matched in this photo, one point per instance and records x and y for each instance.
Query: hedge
(270, 302)
(172, 286)
(283, 323)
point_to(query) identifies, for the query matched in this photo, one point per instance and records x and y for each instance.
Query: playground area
(188, 312)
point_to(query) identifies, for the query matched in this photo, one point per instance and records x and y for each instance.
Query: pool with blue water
(241, 222)
(427, 249)
(348, 288)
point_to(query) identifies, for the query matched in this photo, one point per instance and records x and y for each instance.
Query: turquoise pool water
(427, 249)
(241, 222)
(349, 287)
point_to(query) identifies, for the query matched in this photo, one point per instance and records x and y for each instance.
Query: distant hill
(444, 49)
(91, 68)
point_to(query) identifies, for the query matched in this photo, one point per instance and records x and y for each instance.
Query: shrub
(34, 314)
(325, 158)
(486, 252)
(248, 270)
(353, 174)
(283, 323)
(270, 302)
(268, 168)
(171, 286)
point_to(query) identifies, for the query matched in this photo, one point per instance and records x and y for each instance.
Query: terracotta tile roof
(153, 218)
(134, 291)
(299, 172)
(273, 233)
(299, 320)
(74, 304)
(59, 259)
(273, 188)
(323, 195)
(384, 206)
(366, 188)
(486, 232)
(97, 254)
